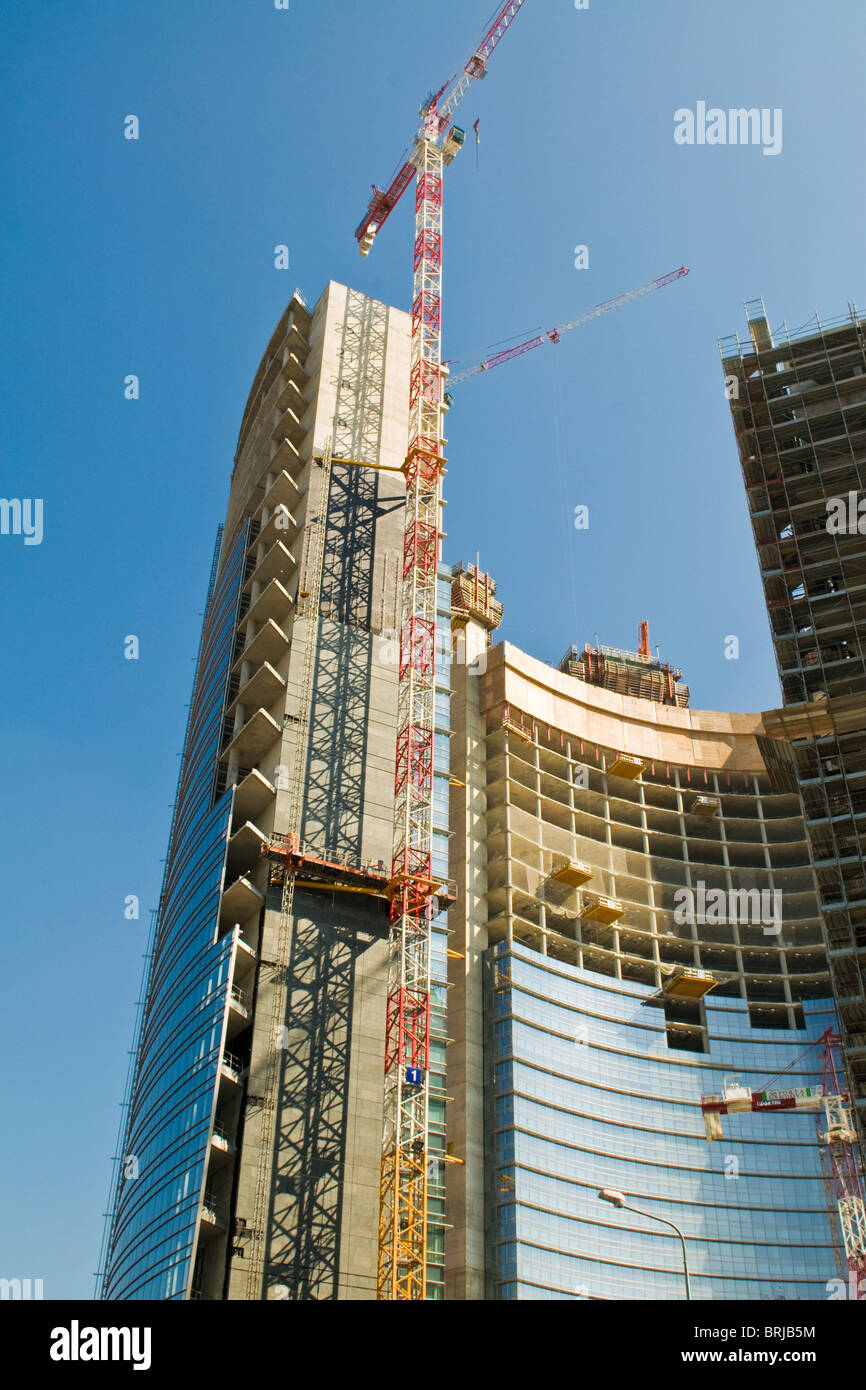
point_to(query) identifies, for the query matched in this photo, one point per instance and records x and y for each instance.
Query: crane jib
(438, 112)
(553, 335)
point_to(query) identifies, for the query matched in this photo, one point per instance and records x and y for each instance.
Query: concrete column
(464, 1181)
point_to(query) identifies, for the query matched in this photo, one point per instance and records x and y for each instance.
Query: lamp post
(617, 1199)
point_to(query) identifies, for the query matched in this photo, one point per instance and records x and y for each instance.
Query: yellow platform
(572, 872)
(687, 983)
(597, 908)
(624, 765)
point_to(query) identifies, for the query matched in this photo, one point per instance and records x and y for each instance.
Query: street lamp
(617, 1199)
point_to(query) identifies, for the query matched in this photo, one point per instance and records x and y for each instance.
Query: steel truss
(403, 1214)
(278, 967)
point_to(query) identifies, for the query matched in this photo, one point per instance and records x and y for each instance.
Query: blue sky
(155, 257)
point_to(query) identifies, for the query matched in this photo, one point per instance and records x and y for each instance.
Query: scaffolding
(278, 966)
(798, 403)
(732, 346)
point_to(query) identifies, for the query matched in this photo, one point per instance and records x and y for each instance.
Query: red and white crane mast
(403, 1210)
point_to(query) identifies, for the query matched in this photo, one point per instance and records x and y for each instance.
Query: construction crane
(435, 117)
(839, 1137)
(553, 335)
(402, 1268)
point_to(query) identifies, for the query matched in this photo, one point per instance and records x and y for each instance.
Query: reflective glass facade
(583, 1093)
(171, 1103)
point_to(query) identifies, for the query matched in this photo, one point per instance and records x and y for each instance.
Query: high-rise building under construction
(583, 817)
(798, 401)
(595, 818)
(251, 1155)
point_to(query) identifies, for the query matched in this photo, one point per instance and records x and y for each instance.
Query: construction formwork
(473, 595)
(627, 673)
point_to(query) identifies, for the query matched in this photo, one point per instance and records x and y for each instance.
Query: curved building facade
(605, 841)
(194, 970)
(588, 1094)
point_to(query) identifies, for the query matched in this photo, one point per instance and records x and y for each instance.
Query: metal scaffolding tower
(287, 874)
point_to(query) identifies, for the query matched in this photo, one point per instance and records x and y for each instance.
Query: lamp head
(609, 1194)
